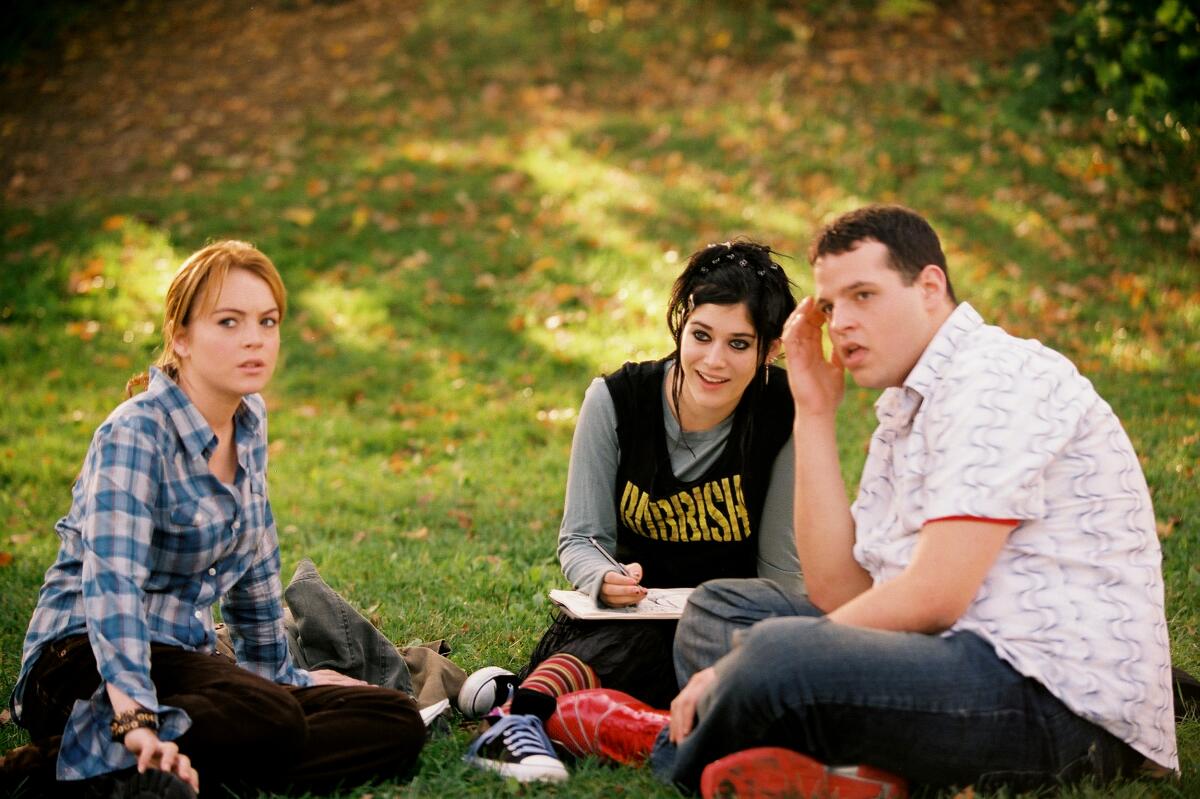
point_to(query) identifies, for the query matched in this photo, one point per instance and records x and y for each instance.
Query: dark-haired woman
(682, 469)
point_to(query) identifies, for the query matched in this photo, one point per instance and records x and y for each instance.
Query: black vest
(686, 532)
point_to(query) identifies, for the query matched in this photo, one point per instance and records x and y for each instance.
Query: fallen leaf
(90, 277)
(6, 558)
(115, 222)
(1166, 224)
(509, 182)
(419, 534)
(415, 261)
(300, 216)
(1166, 526)
(84, 331)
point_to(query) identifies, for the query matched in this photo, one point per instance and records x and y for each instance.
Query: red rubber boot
(607, 723)
(770, 772)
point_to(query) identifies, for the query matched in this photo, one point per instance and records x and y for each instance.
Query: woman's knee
(382, 708)
(244, 714)
(384, 718)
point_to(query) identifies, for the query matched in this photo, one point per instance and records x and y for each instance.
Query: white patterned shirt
(989, 426)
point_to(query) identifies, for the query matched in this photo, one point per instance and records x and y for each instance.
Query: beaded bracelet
(130, 720)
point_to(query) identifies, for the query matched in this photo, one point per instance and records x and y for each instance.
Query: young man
(989, 610)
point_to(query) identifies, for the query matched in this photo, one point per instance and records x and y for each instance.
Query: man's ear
(932, 282)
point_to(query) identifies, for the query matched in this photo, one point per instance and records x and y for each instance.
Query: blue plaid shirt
(153, 539)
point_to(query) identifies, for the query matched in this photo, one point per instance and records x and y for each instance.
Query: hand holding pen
(621, 587)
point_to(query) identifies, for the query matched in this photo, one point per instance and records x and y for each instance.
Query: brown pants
(246, 732)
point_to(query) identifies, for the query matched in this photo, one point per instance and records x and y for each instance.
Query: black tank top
(685, 532)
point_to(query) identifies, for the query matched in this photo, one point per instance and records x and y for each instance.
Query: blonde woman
(119, 683)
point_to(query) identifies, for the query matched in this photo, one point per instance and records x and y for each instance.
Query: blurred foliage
(1135, 62)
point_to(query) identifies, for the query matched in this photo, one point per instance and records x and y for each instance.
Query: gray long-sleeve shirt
(591, 482)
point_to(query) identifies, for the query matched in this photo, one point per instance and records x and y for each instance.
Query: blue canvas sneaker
(517, 747)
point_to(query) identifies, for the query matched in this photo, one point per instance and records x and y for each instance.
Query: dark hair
(911, 242)
(728, 274)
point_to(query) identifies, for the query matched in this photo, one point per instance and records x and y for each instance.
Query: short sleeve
(997, 422)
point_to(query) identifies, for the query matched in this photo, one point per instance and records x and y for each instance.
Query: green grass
(468, 246)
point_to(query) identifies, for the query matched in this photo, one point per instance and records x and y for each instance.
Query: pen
(607, 556)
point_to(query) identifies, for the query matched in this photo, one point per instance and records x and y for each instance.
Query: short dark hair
(911, 241)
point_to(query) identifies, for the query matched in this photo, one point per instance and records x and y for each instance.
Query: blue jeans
(936, 710)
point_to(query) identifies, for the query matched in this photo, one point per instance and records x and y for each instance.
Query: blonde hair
(200, 278)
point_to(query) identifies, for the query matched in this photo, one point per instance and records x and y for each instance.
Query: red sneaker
(770, 772)
(608, 723)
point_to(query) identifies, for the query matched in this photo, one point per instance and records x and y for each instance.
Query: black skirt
(631, 656)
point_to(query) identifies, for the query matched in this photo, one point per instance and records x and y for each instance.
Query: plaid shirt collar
(194, 431)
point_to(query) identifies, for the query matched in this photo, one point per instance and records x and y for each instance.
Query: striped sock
(561, 674)
(556, 675)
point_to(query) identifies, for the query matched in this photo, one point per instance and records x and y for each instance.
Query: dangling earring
(767, 374)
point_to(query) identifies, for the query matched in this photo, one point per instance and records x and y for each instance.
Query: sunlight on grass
(592, 191)
(352, 317)
(118, 283)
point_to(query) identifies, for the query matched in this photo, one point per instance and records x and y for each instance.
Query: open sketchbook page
(660, 603)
